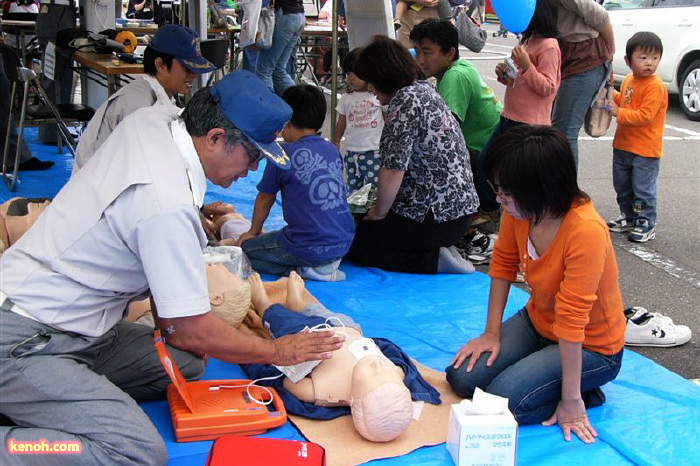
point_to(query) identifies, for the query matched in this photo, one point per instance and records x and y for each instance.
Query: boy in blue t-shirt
(319, 227)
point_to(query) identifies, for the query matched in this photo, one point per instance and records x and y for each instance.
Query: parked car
(677, 23)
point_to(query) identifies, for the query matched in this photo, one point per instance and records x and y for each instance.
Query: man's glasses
(254, 155)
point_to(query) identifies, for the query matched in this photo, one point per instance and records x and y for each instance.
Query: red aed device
(208, 409)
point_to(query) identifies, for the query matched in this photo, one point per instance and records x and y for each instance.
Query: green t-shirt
(474, 103)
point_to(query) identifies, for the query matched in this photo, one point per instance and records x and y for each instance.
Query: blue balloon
(515, 15)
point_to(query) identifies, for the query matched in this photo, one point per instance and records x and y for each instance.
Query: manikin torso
(333, 380)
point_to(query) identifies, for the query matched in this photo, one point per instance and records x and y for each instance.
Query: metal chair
(25, 83)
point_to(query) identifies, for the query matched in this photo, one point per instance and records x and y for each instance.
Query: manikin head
(381, 404)
(229, 294)
(16, 217)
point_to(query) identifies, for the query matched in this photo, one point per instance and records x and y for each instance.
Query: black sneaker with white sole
(642, 232)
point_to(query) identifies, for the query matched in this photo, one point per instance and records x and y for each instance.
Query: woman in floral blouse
(426, 195)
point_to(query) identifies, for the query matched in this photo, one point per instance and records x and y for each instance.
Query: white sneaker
(621, 224)
(646, 328)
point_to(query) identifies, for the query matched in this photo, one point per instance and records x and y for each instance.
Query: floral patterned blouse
(423, 138)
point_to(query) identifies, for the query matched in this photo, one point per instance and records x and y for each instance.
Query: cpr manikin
(229, 297)
(228, 225)
(358, 375)
(229, 294)
(16, 216)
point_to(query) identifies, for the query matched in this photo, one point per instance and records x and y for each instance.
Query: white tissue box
(481, 439)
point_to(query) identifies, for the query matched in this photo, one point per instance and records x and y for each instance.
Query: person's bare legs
(258, 295)
(295, 292)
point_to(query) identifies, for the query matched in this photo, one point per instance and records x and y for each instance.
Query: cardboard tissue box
(482, 431)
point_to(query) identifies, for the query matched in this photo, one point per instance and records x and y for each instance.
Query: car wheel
(689, 95)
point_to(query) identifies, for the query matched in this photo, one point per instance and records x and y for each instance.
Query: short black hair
(308, 106)
(535, 165)
(387, 65)
(544, 20)
(348, 64)
(149, 60)
(440, 31)
(646, 41)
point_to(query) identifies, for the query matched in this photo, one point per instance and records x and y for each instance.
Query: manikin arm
(303, 389)
(261, 210)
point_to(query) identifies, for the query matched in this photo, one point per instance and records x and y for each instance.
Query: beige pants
(409, 20)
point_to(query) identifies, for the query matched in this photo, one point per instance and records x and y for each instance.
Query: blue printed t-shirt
(314, 201)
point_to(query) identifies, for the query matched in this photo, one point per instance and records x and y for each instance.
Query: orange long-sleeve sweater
(575, 295)
(642, 115)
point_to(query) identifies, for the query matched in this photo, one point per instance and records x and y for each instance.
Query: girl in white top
(361, 121)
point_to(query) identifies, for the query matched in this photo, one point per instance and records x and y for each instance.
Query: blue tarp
(652, 415)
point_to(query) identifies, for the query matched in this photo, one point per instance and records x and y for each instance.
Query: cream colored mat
(344, 446)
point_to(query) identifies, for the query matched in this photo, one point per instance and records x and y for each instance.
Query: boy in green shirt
(472, 102)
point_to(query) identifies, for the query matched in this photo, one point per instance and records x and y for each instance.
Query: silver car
(677, 23)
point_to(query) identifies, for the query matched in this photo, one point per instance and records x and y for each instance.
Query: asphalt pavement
(662, 275)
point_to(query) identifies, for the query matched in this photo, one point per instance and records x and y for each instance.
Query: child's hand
(521, 58)
(244, 237)
(500, 73)
(613, 109)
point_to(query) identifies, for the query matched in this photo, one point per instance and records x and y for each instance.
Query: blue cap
(259, 113)
(182, 43)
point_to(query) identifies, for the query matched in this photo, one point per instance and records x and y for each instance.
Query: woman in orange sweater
(552, 357)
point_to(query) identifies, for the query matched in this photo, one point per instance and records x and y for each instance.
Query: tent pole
(334, 68)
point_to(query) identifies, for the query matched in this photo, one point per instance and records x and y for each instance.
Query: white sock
(451, 261)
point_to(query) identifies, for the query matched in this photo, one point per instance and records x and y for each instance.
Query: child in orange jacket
(640, 108)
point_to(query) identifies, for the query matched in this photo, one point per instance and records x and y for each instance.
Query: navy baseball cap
(182, 43)
(258, 112)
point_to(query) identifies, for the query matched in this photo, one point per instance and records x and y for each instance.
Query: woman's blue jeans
(575, 95)
(271, 66)
(528, 372)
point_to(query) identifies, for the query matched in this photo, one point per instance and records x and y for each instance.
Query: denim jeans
(487, 198)
(250, 60)
(284, 321)
(573, 99)
(272, 64)
(267, 255)
(634, 180)
(528, 372)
